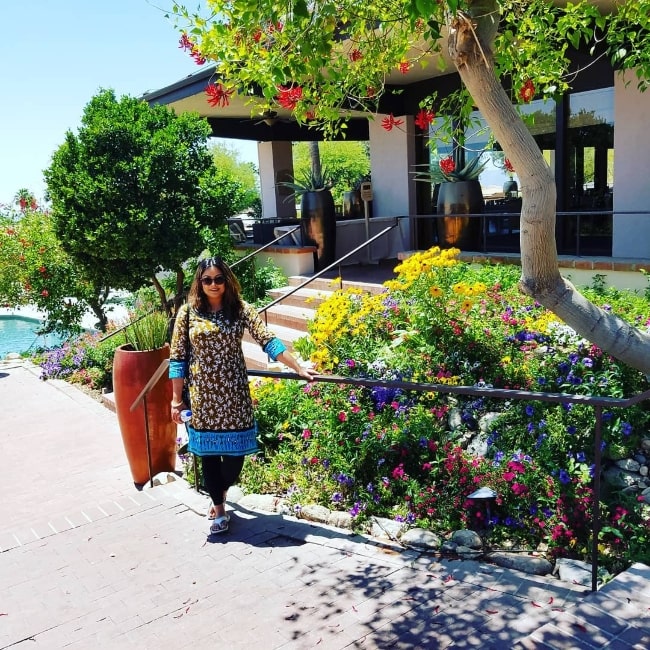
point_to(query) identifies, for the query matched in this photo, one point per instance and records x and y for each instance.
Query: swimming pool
(18, 334)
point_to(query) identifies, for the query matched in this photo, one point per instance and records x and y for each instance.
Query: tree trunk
(314, 156)
(470, 47)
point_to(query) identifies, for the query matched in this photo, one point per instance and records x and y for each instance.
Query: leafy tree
(325, 59)
(34, 269)
(131, 192)
(226, 159)
(345, 163)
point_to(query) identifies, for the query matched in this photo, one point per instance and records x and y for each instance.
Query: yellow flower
(466, 305)
(435, 291)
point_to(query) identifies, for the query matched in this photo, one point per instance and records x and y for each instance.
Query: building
(595, 139)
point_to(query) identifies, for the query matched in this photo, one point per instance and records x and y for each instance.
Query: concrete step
(306, 297)
(255, 357)
(286, 334)
(289, 316)
(324, 284)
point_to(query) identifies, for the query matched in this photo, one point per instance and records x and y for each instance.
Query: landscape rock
(573, 571)
(465, 553)
(339, 519)
(317, 513)
(420, 538)
(521, 562)
(382, 527)
(628, 464)
(467, 538)
(265, 502)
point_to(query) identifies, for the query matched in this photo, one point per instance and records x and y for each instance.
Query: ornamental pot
(318, 226)
(131, 371)
(352, 205)
(510, 189)
(455, 201)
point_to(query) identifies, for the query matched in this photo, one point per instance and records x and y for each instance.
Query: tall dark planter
(459, 199)
(318, 226)
(131, 372)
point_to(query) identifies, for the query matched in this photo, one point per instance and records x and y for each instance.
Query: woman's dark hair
(232, 301)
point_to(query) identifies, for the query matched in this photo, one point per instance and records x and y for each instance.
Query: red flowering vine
(424, 118)
(389, 122)
(218, 95)
(355, 55)
(447, 165)
(185, 43)
(404, 67)
(527, 91)
(289, 96)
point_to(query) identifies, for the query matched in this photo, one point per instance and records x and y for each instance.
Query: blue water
(18, 334)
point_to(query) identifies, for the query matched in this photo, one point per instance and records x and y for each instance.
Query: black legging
(219, 473)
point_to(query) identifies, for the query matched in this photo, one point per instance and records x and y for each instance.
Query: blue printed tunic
(222, 409)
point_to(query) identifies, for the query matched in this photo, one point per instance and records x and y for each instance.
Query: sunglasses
(218, 280)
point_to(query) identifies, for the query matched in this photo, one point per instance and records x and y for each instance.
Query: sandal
(219, 525)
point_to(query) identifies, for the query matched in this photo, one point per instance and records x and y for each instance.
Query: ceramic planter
(318, 226)
(131, 372)
(455, 200)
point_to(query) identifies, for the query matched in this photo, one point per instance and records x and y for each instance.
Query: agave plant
(308, 181)
(449, 170)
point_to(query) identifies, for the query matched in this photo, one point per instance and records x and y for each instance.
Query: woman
(206, 349)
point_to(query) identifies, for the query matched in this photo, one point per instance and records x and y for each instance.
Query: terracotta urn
(131, 371)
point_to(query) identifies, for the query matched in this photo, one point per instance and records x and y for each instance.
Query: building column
(631, 236)
(276, 165)
(392, 156)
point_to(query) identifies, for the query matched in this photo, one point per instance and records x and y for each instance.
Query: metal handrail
(596, 401)
(328, 268)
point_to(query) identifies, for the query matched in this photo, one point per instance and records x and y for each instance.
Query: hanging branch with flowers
(339, 57)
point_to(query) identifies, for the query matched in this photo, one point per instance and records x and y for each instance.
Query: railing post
(595, 524)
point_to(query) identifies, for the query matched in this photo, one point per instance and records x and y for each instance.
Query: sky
(56, 55)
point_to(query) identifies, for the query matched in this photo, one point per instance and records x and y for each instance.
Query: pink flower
(519, 489)
(508, 476)
(343, 416)
(306, 434)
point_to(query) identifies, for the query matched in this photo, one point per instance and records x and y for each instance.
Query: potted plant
(458, 194)
(317, 213)
(149, 436)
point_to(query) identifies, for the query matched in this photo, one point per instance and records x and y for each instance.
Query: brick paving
(88, 561)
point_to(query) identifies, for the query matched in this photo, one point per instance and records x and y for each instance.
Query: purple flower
(564, 477)
(626, 428)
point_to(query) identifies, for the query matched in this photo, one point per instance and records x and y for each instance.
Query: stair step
(289, 316)
(255, 357)
(286, 334)
(305, 297)
(324, 284)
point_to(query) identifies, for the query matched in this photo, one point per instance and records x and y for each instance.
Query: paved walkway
(87, 561)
